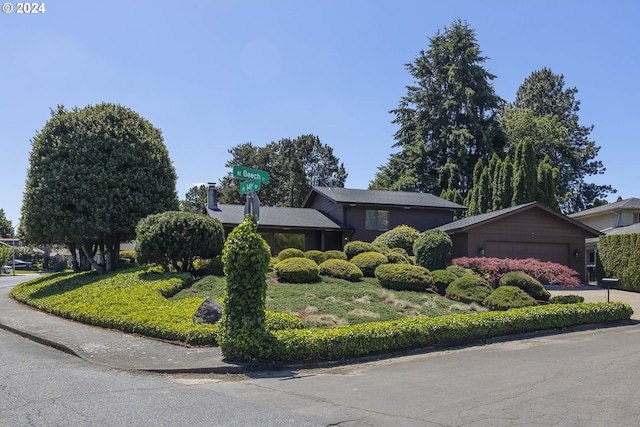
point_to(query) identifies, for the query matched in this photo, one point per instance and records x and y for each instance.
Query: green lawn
(335, 302)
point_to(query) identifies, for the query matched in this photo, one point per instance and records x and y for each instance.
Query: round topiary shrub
(290, 253)
(525, 282)
(469, 289)
(566, 299)
(341, 269)
(357, 247)
(401, 236)
(442, 279)
(401, 277)
(318, 256)
(432, 249)
(367, 262)
(397, 258)
(335, 254)
(506, 297)
(297, 270)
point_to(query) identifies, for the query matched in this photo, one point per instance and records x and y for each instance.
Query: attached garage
(524, 231)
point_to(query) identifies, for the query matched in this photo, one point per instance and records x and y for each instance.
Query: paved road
(584, 378)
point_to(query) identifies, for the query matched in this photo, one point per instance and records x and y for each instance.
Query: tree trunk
(74, 259)
(90, 255)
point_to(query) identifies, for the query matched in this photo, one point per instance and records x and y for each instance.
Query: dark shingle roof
(477, 219)
(628, 229)
(472, 221)
(631, 204)
(380, 197)
(276, 217)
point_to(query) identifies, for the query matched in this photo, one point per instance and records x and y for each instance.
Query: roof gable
(626, 204)
(472, 222)
(381, 197)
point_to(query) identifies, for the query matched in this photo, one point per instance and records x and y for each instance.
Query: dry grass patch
(312, 316)
(359, 312)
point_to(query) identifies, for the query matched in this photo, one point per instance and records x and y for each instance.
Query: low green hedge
(341, 269)
(297, 270)
(566, 299)
(378, 337)
(403, 277)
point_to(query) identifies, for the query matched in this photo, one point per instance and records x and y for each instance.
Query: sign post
(253, 179)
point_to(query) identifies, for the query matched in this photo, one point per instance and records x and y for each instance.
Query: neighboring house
(370, 213)
(525, 231)
(620, 217)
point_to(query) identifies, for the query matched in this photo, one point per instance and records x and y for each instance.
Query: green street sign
(249, 186)
(250, 174)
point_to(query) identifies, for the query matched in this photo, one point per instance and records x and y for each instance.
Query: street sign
(250, 174)
(249, 186)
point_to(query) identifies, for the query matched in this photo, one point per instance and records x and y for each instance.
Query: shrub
(619, 256)
(525, 282)
(506, 297)
(290, 253)
(341, 269)
(318, 256)
(376, 337)
(367, 262)
(432, 249)
(335, 254)
(397, 257)
(566, 299)
(549, 273)
(177, 239)
(297, 270)
(442, 279)
(209, 267)
(402, 237)
(404, 277)
(357, 247)
(469, 289)
(276, 321)
(459, 271)
(246, 258)
(127, 256)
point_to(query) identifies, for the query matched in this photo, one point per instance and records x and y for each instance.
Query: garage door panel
(554, 252)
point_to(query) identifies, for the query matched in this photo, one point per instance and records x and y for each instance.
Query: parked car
(7, 269)
(19, 264)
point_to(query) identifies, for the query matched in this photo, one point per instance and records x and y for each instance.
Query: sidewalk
(132, 352)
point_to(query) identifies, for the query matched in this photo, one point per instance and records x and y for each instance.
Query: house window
(377, 220)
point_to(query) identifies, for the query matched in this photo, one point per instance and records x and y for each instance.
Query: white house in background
(622, 217)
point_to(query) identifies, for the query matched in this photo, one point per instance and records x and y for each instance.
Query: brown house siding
(533, 233)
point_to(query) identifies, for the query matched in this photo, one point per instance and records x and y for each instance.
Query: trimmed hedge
(394, 257)
(442, 279)
(290, 253)
(433, 249)
(469, 289)
(367, 262)
(619, 256)
(378, 337)
(402, 236)
(297, 270)
(341, 269)
(566, 299)
(335, 254)
(525, 282)
(315, 255)
(401, 277)
(357, 247)
(506, 297)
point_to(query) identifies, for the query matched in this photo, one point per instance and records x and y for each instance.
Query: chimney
(212, 197)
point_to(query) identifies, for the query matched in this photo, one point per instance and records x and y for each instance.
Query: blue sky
(215, 74)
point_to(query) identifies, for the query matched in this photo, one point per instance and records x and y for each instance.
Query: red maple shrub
(550, 273)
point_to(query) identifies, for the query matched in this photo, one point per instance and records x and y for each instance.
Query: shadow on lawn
(62, 284)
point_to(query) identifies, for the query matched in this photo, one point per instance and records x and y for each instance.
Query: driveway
(592, 293)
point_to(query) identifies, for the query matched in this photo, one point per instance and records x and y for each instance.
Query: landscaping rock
(210, 311)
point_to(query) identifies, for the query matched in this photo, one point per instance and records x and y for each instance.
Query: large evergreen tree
(294, 166)
(543, 93)
(93, 174)
(447, 117)
(6, 228)
(195, 200)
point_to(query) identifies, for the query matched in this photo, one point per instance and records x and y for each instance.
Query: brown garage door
(555, 252)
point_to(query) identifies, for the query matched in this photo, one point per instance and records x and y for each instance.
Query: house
(370, 213)
(529, 230)
(332, 216)
(621, 217)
